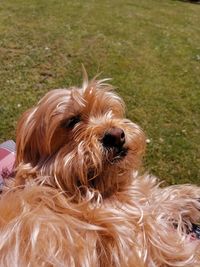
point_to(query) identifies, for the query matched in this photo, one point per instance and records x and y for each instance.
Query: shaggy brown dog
(78, 199)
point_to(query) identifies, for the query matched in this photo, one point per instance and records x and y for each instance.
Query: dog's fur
(78, 200)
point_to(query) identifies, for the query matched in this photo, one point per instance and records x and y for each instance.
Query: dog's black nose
(115, 137)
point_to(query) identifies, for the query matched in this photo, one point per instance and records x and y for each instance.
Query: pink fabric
(7, 159)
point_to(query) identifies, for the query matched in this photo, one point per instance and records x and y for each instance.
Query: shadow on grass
(190, 1)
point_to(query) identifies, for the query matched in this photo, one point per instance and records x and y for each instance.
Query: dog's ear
(29, 138)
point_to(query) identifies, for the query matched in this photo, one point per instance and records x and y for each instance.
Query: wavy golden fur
(78, 199)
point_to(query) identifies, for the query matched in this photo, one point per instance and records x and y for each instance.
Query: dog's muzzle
(114, 140)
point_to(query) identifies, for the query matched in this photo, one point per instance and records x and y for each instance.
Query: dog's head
(79, 138)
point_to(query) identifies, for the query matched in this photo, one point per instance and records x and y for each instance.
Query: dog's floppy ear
(29, 138)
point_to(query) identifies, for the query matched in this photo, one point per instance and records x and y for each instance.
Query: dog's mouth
(116, 154)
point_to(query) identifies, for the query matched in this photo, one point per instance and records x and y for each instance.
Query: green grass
(151, 49)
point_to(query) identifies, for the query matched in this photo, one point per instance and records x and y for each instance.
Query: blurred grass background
(151, 49)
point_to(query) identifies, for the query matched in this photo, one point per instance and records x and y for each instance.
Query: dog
(79, 199)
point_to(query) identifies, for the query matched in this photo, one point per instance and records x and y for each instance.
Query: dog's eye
(70, 123)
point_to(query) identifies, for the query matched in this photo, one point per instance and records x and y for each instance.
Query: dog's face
(80, 138)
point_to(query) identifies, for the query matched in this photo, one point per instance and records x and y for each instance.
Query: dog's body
(77, 198)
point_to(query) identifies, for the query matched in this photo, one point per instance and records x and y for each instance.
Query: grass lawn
(151, 49)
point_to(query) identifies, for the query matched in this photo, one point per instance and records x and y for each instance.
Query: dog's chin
(113, 159)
